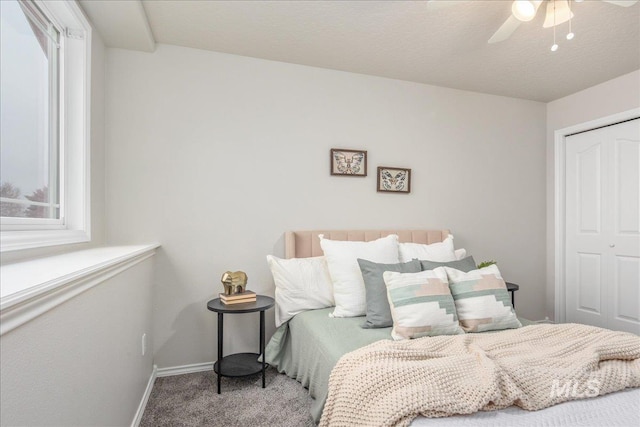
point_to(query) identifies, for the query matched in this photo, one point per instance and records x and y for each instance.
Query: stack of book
(241, 298)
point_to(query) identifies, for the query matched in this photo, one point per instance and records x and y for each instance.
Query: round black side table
(240, 364)
(512, 287)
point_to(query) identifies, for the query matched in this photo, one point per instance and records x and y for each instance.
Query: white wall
(80, 364)
(216, 155)
(611, 97)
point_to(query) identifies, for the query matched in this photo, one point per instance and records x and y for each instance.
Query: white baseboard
(166, 372)
(145, 398)
(185, 369)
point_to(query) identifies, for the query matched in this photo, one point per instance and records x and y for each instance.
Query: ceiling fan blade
(443, 4)
(623, 3)
(505, 30)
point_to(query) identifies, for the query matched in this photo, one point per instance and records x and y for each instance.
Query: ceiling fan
(558, 12)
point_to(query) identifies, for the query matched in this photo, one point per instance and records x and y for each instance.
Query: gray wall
(216, 156)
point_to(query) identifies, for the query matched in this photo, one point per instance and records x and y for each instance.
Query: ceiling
(406, 40)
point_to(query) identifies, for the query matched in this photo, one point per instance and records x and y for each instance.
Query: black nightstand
(240, 364)
(512, 287)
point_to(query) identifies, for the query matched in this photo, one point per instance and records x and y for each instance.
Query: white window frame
(74, 94)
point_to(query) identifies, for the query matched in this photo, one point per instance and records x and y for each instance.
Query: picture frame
(394, 180)
(348, 162)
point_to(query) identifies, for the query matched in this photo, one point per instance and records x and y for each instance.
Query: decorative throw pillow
(460, 253)
(482, 300)
(342, 260)
(421, 304)
(467, 264)
(441, 251)
(378, 311)
(301, 284)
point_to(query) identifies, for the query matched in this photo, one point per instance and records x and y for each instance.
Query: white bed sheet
(621, 409)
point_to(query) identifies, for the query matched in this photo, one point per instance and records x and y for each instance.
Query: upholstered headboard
(304, 244)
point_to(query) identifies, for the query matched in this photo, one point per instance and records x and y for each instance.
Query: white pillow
(301, 284)
(421, 304)
(342, 260)
(460, 253)
(441, 251)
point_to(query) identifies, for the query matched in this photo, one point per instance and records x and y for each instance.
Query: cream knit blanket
(390, 383)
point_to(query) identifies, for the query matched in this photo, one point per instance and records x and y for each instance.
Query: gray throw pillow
(378, 311)
(466, 264)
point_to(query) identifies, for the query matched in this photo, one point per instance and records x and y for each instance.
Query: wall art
(394, 180)
(348, 162)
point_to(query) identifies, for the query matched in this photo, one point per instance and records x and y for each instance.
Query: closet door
(602, 259)
(585, 227)
(624, 304)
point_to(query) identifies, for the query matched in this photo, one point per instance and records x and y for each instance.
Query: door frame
(559, 150)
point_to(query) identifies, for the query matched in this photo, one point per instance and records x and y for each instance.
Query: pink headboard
(304, 244)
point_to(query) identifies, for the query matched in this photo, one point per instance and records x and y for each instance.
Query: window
(29, 172)
(44, 123)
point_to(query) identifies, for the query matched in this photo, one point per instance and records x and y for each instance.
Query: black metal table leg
(262, 345)
(512, 288)
(220, 338)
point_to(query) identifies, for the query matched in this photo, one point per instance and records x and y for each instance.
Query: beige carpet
(192, 400)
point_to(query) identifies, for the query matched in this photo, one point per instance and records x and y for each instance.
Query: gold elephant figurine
(234, 282)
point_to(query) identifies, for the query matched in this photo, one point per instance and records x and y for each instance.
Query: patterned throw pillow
(482, 300)
(421, 304)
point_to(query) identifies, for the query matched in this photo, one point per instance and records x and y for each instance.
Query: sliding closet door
(602, 276)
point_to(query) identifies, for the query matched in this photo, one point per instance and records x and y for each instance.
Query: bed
(308, 347)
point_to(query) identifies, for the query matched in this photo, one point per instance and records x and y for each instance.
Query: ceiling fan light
(570, 36)
(523, 10)
(562, 12)
(554, 47)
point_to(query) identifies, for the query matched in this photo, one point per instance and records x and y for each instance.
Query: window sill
(31, 288)
(18, 240)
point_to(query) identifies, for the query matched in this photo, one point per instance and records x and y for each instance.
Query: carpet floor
(192, 400)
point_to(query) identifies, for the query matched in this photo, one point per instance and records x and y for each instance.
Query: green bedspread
(309, 345)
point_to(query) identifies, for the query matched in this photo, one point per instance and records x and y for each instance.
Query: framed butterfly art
(348, 162)
(394, 180)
